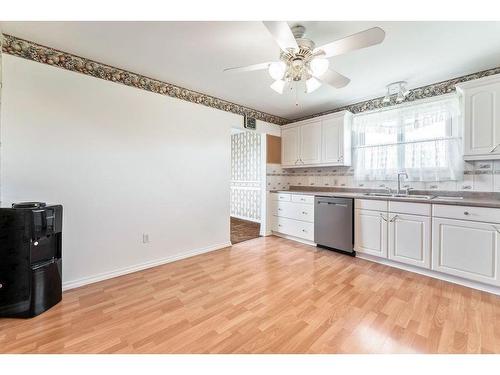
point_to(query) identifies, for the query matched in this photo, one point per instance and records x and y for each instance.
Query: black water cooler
(30, 259)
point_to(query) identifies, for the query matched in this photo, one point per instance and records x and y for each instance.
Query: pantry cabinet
(481, 118)
(323, 141)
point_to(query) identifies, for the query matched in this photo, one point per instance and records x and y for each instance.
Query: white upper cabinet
(481, 118)
(336, 140)
(310, 143)
(290, 146)
(324, 141)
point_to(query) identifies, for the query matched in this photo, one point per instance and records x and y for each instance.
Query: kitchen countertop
(466, 201)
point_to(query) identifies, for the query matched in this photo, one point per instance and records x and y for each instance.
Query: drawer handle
(382, 216)
(494, 148)
(393, 219)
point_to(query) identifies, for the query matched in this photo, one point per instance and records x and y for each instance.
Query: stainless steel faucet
(399, 181)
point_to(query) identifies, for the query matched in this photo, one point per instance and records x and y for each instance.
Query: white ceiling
(193, 55)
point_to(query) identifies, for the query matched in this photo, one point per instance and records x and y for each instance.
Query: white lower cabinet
(400, 231)
(370, 232)
(466, 249)
(295, 228)
(292, 215)
(410, 239)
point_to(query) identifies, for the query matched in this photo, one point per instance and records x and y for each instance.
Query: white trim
(431, 273)
(494, 78)
(246, 218)
(139, 267)
(293, 238)
(316, 119)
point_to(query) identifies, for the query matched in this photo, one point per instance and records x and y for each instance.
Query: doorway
(247, 181)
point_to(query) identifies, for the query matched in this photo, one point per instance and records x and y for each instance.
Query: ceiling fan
(301, 61)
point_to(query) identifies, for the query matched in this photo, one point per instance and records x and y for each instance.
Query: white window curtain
(422, 140)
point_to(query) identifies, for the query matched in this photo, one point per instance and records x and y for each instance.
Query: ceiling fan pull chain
(296, 95)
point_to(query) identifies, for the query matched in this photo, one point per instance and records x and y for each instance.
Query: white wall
(122, 161)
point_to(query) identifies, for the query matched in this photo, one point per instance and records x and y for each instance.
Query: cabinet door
(410, 239)
(310, 143)
(370, 232)
(332, 140)
(467, 249)
(290, 146)
(482, 120)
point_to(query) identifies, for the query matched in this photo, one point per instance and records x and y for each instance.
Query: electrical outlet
(145, 238)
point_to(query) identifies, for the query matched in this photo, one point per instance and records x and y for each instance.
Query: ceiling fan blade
(282, 34)
(334, 79)
(363, 39)
(248, 68)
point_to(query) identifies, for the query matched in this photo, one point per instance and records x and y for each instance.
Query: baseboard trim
(293, 238)
(430, 273)
(139, 267)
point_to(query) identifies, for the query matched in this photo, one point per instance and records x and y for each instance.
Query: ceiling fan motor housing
(297, 61)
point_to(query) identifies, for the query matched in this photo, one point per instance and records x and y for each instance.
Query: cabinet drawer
(296, 228)
(410, 208)
(370, 204)
(307, 199)
(290, 210)
(490, 215)
(284, 197)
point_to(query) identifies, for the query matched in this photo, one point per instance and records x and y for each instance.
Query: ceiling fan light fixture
(319, 66)
(278, 86)
(277, 70)
(312, 84)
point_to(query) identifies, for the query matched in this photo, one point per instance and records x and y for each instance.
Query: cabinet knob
(303, 230)
(35, 243)
(1, 285)
(304, 213)
(466, 213)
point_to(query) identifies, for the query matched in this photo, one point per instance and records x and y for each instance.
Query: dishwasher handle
(332, 203)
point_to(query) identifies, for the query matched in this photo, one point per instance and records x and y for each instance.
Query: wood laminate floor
(267, 295)
(243, 230)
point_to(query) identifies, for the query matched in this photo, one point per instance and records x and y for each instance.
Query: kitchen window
(421, 139)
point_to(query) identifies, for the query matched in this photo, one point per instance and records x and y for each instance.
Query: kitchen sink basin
(402, 196)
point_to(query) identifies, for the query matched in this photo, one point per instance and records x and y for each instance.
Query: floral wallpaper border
(46, 55)
(434, 89)
(36, 52)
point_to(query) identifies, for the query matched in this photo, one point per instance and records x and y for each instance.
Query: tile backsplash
(478, 176)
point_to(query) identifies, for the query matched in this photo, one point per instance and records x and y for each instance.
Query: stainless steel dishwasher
(333, 223)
